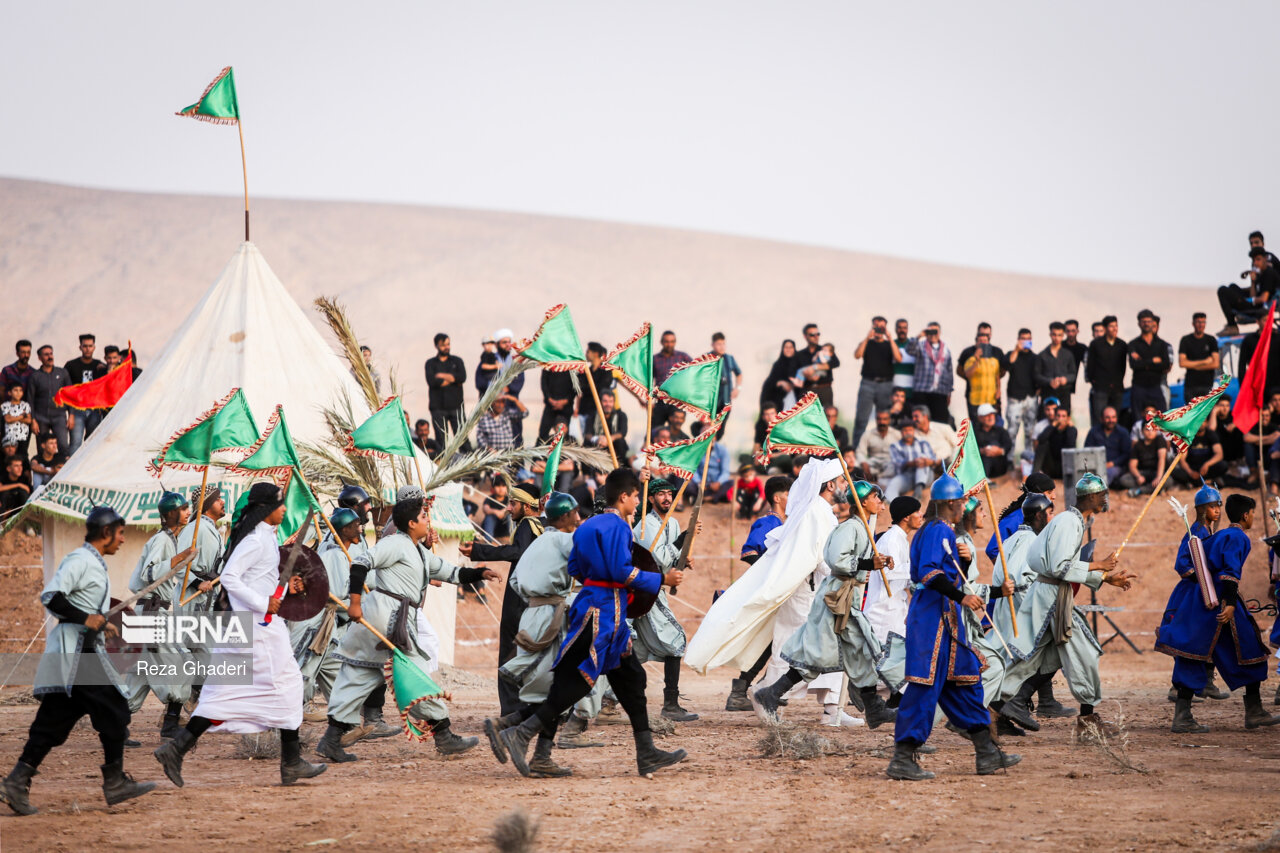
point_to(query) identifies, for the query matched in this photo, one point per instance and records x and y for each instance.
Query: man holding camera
(879, 353)
(981, 366)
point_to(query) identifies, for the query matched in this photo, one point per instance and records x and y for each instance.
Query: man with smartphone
(981, 366)
(879, 353)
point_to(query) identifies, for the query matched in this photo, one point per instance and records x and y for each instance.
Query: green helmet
(560, 504)
(657, 484)
(342, 516)
(864, 490)
(169, 502)
(1090, 484)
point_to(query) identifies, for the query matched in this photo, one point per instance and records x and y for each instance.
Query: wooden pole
(604, 422)
(991, 507)
(1262, 479)
(644, 494)
(862, 514)
(1151, 500)
(244, 171)
(195, 542)
(674, 502)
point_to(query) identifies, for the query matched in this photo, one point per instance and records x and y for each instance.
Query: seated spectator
(833, 419)
(18, 419)
(1147, 460)
(1203, 460)
(873, 450)
(497, 430)
(767, 413)
(994, 442)
(422, 438)
(675, 425)
(1135, 432)
(1115, 440)
(747, 492)
(47, 461)
(1048, 409)
(1055, 439)
(594, 435)
(1249, 302)
(15, 485)
(497, 511)
(899, 411)
(938, 435)
(719, 477)
(913, 463)
(1265, 434)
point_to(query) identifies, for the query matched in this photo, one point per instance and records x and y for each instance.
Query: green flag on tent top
(967, 466)
(218, 104)
(274, 452)
(555, 345)
(694, 386)
(410, 685)
(801, 429)
(227, 426)
(632, 363)
(1182, 424)
(298, 501)
(553, 461)
(385, 433)
(685, 458)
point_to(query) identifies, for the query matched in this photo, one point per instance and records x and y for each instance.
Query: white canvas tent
(246, 332)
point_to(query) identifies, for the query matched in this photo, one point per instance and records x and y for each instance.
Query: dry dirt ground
(1162, 791)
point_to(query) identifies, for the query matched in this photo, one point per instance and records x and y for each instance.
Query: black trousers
(58, 714)
(568, 686)
(551, 418)
(937, 403)
(1234, 300)
(513, 608)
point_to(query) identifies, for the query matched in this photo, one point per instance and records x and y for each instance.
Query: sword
(287, 570)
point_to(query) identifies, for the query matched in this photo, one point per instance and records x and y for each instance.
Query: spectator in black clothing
(1020, 393)
(601, 376)
(1235, 452)
(1198, 355)
(812, 353)
(422, 438)
(488, 368)
(1078, 349)
(879, 353)
(994, 442)
(594, 435)
(15, 484)
(1147, 460)
(446, 375)
(767, 412)
(1149, 360)
(841, 434)
(1203, 461)
(1265, 434)
(675, 425)
(46, 382)
(558, 399)
(1099, 329)
(1104, 369)
(1249, 302)
(1057, 437)
(1257, 241)
(1114, 439)
(47, 461)
(1056, 368)
(86, 368)
(777, 386)
(899, 411)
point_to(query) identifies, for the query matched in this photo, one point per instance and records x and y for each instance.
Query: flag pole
(862, 514)
(991, 506)
(1262, 480)
(604, 422)
(674, 502)
(1150, 501)
(244, 172)
(195, 543)
(648, 431)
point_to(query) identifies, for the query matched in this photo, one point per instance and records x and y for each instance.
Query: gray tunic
(1016, 550)
(543, 582)
(205, 561)
(153, 564)
(657, 635)
(82, 577)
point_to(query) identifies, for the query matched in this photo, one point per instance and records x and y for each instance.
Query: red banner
(101, 393)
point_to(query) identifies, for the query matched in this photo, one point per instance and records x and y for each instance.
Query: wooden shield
(307, 565)
(639, 603)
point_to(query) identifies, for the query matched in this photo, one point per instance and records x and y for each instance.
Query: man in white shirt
(888, 613)
(939, 436)
(873, 450)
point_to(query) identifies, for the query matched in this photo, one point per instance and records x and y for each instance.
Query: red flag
(1249, 400)
(101, 393)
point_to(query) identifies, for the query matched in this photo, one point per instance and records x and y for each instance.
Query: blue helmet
(946, 488)
(1208, 495)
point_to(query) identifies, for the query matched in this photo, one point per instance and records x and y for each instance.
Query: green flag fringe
(191, 111)
(700, 414)
(275, 472)
(626, 380)
(1161, 418)
(157, 465)
(769, 449)
(553, 366)
(962, 437)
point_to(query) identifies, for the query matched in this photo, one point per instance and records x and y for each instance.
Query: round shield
(638, 602)
(307, 565)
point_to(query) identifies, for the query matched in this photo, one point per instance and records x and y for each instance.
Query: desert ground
(1151, 790)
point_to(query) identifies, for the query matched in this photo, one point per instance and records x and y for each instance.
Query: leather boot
(17, 788)
(877, 712)
(1048, 706)
(516, 741)
(671, 707)
(988, 757)
(952, 727)
(330, 744)
(1018, 709)
(903, 765)
(172, 720)
(1006, 728)
(1254, 714)
(541, 766)
(650, 759)
(1276, 701)
(312, 714)
(450, 743)
(293, 767)
(1213, 691)
(493, 725)
(739, 700)
(573, 734)
(170, 754)
(1183, 722)
(377, 727)
(118, 786)
(766, 700)
(610, 714)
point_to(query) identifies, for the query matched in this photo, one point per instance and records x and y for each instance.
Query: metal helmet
(946, 488)
(1208, 495)
(1090, 484)
(864, 490)
(1035, 503)
(342, 516)
(352, 496)
(560, 504)
(99, 519)
(170, 501)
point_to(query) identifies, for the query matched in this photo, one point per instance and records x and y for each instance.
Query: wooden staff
(195, 542)
(390, 645)
(991, 506)
(648, 431)
(244, 172)
(674, 503)
(1150, 501)
(862, 514)
(604, 422)
(1262, 481)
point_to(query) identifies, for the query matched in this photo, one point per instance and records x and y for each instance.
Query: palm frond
(453, 440)
(328, 468)
(487, 462)
(335, 314)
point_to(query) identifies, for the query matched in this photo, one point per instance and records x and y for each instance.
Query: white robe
(274, 699)
(889, 613)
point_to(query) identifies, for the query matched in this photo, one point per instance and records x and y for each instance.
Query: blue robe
(601, 561)
(1173, 632)
(759, 530)
(1275, 592)
(1007, 527)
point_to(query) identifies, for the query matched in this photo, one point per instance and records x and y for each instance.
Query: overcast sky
(1105, 140)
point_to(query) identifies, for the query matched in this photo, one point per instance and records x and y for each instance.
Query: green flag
(555, 345)
(274, 452)
(410, 685)
(228, 425)
(801, 429)
(553, 461)
(632, 363)
(967, 466)
(385, 433)
(218, 104)
(1182, 424)
(685, 458)
(694, 386)
(298, 501)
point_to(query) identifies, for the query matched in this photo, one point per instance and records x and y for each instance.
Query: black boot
(573, 734)
(1213, 691)
(766, 700)
(650, 759)
(118, 786)
(330, 744)
(448, 742)
(541, 766)
(493, 725)
(952, 727)
(1006, 728)
(988, 756)
(904, 766)
(1183, 722)
(170, 754)
(377, 728)
(1254, 714)
(17, 787)
(738, 699)
(671, 706)
(292, 767)
(1048, 706)
(1018, 708)
(516, 741)
(172, 721)
(877, 712)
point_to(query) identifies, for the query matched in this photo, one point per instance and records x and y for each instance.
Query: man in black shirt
(446, 377)
(833, 420)
(767, 412)
(879, 353)
(558, 399)
(812, 353)
(1203, 462)
(1057, 437)
(86, 368)
(994, 442)
(1104, 369)
(1078, 349)
(1020, 393)
(594, 435)
(1250, 302)
(1198, 355)
(422, 438)
(1149, 360)
(1056, 368)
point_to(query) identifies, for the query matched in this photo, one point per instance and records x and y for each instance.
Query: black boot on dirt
(377, 727)
(766, 700)
(671, 707)
(877, 713)
(330, 744)
(650, 759)
(988, 757)
(903, 766)
(573, 734)
(952, 727)
(118, 786)
(1048, 706)
(738, 699)
(493, 725)
(172, 722)
(1006, 728)
(1213, 691)
(516, 742)
(1018, 709)
(541, 766)
(17, 788)
(450, 743)
(1254, 714)
(1183, 722)
(293, 767)
(170, 754)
